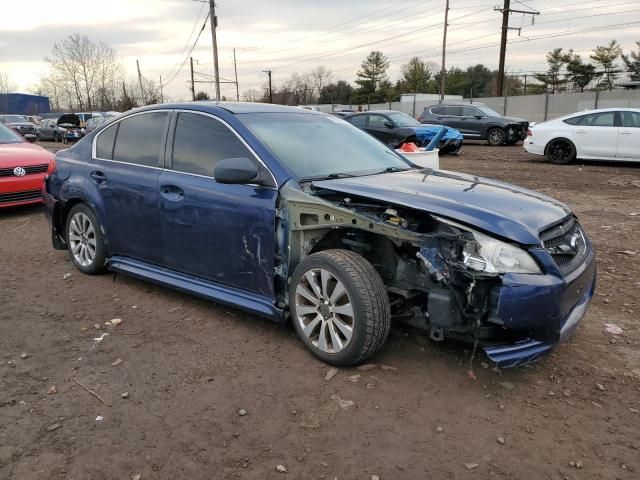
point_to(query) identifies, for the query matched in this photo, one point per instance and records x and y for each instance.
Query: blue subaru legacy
(300, 216)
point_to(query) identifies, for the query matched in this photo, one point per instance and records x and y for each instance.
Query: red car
(23, 167)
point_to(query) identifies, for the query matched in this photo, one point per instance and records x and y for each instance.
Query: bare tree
(5, 87)
(86, 74)
(321, 76)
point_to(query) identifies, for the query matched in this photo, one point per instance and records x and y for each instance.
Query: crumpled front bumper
(550, 305)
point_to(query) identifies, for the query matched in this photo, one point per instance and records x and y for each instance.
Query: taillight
(529, 133)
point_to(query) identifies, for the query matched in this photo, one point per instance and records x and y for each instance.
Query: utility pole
(506, 11)
(268, 72)
(193, 85)
(161, 96)
(235, 68)
(443, 71)
(214, 25)
(140, 80)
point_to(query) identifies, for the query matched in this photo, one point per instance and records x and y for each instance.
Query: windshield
(9, 136)
(317, 146)
(404, 120)
(13, 119)
(488, 111)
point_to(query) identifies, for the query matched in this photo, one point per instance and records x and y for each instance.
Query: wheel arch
(562, 137)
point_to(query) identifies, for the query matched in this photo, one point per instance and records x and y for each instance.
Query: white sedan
(603, 134)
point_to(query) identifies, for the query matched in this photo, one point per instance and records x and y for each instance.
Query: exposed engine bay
(435, 279)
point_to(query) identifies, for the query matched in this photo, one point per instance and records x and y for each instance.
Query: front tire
(561, 152)
(496, 137)
(339, 307)
(85, 240)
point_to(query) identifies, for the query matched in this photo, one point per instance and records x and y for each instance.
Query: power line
(186, 44)
(204, 25)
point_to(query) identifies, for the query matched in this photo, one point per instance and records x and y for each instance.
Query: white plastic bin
(422, 158)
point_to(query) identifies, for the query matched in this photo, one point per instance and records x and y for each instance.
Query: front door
(125, 170)
(220, 232)
(380, 127)
(629, 138)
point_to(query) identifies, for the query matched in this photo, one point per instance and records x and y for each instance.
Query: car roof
(231, 107)
(373, 112)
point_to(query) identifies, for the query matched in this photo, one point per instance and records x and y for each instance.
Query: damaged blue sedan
(302, 217)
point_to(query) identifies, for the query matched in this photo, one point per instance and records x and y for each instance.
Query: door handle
(171, 193)
(581, 131)
(625, 133)
(98, 177)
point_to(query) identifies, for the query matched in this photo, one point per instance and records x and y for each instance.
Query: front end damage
(434, 281)
(516, 131)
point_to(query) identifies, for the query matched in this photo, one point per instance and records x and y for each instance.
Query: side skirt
(250, 302)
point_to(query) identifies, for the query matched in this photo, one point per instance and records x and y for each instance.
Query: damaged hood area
(507, 211)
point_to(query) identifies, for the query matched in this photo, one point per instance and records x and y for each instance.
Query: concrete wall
(535, 108)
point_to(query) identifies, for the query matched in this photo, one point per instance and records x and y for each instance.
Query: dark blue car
(297, 215)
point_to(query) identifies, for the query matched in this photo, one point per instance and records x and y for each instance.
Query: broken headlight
(486, 254)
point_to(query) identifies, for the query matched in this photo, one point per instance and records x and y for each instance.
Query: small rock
(368, 366)
(375, 477)
(631, 253)
(330, 374)
(471, 466)
(52, 390)
(572, 464)
(354, 378)
(484, 364)
(388, 368)
(137, 476)
(99, 418)
(97, 326)
(600, 387)
(66, 275)
(507, 385)
(242, 412)
(114, 322)
(53, 427)
(579, 464)
(324, 464)
(124, 395)
(281, 469)
(24, 356)
(117, 362)
(500, 440)
(634, 410)
(344, 404)
(439, 429)
(551, 393)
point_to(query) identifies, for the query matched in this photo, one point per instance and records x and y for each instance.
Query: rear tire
(496, 137)
(561, 152)
(339, 307)
(85, 241)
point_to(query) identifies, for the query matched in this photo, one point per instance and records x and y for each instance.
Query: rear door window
(139, 139)
(451, 110)
(470, 111)
(630, 119)
(200, 142)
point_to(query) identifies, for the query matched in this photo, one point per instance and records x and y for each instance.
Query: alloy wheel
(82, 239)
(324, 310)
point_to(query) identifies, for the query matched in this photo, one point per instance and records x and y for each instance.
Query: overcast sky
(289, 36)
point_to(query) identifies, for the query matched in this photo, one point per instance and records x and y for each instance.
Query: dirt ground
(189, 366)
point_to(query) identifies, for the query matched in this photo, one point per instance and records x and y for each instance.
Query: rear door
(596, 134)
(127, 163)
(629, 138)
(225, 233)
(450, 116)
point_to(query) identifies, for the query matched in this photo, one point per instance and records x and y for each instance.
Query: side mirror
(235, 171)
(388, 124)
(29, 137)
